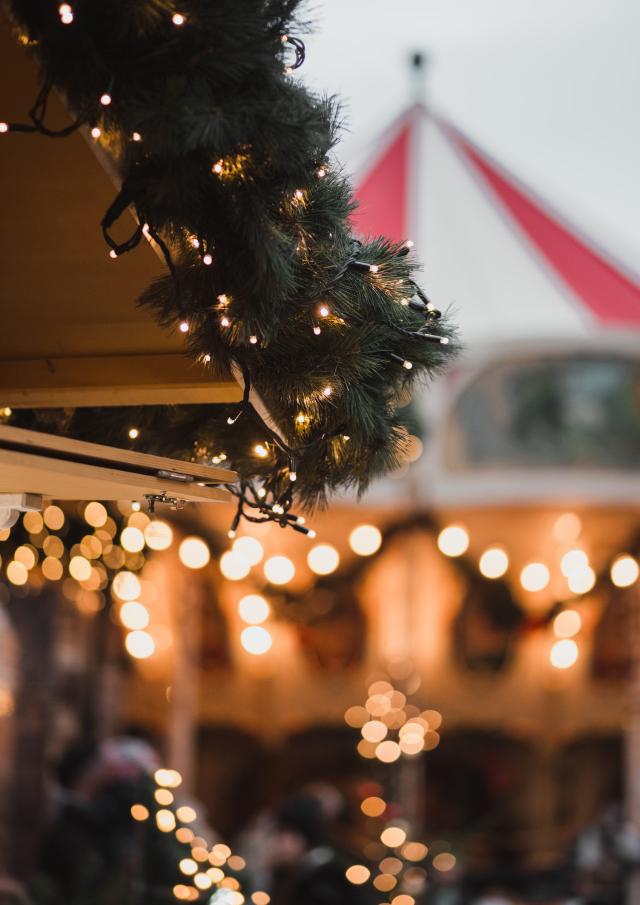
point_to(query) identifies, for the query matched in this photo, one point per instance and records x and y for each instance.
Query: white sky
(550, 87)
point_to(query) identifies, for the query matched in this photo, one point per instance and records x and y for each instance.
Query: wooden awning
(71, 334)
(44, 465)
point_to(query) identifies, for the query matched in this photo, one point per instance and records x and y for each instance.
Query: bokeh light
(624, 571)
(373, 806)
(249, 548)
(133, 615)
(17, 573)
(323, 559)
(158, 535)
(573, 561)
(567, 527)
(279, 570)
(374, 731)
(140, 644)
(387, 752)
(365, 540)
(233, 566)
(582, 581)
(393, 836)
(453, 540)
(79, 568)
(567, 623)
(194, 553)
(253, 609)
(564, 653)
(139, 812)
(256, 640)
(357, 874)
(171, 779)
(494, 562)
(132, 539)
(126, 586)
(534, 576)
(444, 861)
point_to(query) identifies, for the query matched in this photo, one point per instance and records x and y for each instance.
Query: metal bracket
(154, 498)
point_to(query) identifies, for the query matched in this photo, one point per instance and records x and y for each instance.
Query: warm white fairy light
(96, 132)
(323, 559)
(261, 450)
(253, 339)
(206, 358)
(279, 570)
(184, 326)
(207, 259)
(217, 167)
(373, 268)
(317, 330)
(365, 540)
(136, 136)
(140, 645)
(113, 253)
(4, 127)
(224, 321)
(321, 173)
(105, 99)
(194, 553)
(178, 19)
(253, 609)
(233, 566)
(323, 311)
(407, 365)
(250, 549)
(134, 433)
(262, 493)
(327, 391)
(494, 562)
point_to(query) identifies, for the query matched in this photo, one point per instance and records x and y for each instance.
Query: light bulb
(134, 433)
(409, 243)
(105, 99)
(323, 559)
(96, 132)
(250, 549)
(444, 341)
(373, 268)
(322, 173)
(223, 299)
(206, 358)
(534, 576)
(217, 167)
(4, 127)
(113, 253)
(224, 321)
(261, 451)
(279, 570)
(407, 365)
(207, 260)
(299, 194)
(564, 653)
(624, 571)
(234, 566)
(178, 19)
(253, 340)
(194, 553)
(184, 327)
(195, 242)
(494, 562)
(136, 136)
(317, 330)
(323, 311)
(327, 391)
(293, 475)
(253, 609)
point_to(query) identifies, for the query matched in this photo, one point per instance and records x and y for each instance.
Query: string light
(224, 321)
(134, 433)
(217, 167)
(136, 136)
(261, 451)
(256, 639)
(105, 99)
(207, 260)
(494, 562)
(323, 311)
(96, 132)
(184, 327)
(563, 654)
(253, 340)
(194, 553)
(365, 540)
(178, 19)
(317, 330)
(4, 127)
(113, 254)
(321, 173)
(327, 391)
(534, 577)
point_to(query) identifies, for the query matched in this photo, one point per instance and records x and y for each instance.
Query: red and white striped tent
(523, 284)
(508, 264)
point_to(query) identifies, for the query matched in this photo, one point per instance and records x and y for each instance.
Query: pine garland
(227, 163)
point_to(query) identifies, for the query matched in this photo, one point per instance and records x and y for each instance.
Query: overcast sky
(549, 87)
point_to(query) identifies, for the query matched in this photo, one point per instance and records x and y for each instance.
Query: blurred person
(307, 869)
(605, 854)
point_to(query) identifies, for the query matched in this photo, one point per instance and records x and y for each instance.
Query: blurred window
(582, 411)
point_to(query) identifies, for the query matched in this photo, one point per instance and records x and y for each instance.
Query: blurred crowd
(297, 852)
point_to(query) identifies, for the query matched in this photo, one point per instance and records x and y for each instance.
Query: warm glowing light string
(231, 180)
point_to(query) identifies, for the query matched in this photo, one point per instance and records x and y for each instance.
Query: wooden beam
(110, 380)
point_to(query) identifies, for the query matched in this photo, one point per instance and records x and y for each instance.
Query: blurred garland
(224, 159)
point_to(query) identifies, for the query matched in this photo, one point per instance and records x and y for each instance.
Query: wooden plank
(41, 441)
(165, 379)
(63, 480)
